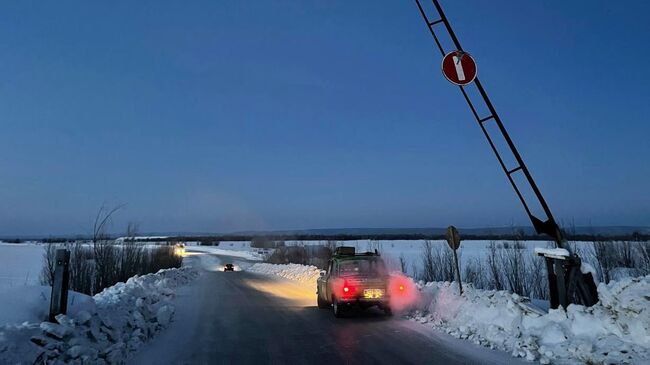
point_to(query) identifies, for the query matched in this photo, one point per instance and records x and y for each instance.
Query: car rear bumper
(363, 301)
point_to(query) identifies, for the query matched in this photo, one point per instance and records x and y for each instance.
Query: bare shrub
(102, 263)
(437, 263)
(474, 273)
(157, 258)
(130, 254)
(610, 255)
(513, 264)
(332, 245)
(289, 254)
(47, 271)
(265, 242)
(536, 277)
(494, 268)
(105, 254)
(428, 262)
(82, 268)
(643, 256)
(318, 255)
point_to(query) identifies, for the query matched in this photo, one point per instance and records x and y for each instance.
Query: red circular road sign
(459, 68)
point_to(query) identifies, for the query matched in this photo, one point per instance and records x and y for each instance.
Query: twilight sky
(216, 116)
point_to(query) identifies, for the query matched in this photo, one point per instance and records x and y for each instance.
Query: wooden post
(453, 240)
(60, 283)
(460, 283)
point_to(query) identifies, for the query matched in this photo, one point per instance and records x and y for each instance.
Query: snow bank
(32, 303)
(122, 318)
(304, 274)
(614, 331)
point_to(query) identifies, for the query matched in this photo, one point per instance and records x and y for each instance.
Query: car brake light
(401, 288)
(347, 289)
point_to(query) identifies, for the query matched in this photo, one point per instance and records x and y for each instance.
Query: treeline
(208, 240)
(215, 239)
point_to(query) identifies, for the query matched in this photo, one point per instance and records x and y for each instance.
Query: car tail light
(348, 289)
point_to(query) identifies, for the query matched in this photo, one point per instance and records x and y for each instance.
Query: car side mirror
(322, 273)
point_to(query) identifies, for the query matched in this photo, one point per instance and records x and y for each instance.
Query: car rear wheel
(338, 310)
(321, 303)
(387, 311)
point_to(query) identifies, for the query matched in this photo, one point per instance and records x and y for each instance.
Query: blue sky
(221, 116)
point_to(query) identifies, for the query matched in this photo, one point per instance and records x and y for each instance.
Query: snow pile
(614, 331)
(122, 318)
(32, 303)
(304, 274)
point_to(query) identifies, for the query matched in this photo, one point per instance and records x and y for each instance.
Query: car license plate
(373, 293)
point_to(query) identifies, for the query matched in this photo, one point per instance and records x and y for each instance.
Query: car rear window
(374, 267)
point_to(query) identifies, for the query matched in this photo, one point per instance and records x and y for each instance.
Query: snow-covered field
(241, 250)
(20, 265)
(614, 331)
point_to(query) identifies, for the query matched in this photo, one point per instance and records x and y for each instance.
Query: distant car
(229, 267)
(179, 249)
(353, 280)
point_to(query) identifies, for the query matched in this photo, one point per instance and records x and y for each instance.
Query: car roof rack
(351, 251)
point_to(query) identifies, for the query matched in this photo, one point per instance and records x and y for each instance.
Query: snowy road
(245, 318)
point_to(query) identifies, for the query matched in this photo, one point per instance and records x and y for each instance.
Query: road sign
(453, 238)
(459, 68)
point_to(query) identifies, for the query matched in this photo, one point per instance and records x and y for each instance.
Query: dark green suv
(353, 280)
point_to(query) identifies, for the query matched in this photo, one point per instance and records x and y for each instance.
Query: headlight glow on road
(299, 296)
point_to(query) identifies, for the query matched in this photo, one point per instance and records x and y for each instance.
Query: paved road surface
(244, 318)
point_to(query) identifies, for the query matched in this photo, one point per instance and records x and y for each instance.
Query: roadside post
(60, 283)
(453, 240)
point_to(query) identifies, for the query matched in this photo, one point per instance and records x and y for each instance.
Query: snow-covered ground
(242, 251)
(99, 329)
(614, 331)
(20, 265)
